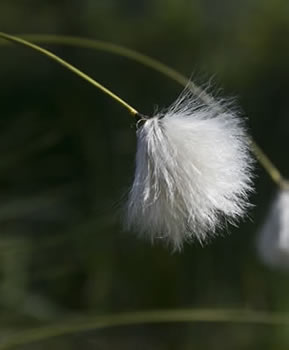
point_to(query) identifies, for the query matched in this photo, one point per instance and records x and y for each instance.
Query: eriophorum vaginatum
(193, 172)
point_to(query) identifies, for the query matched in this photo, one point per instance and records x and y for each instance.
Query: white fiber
(273, 238)
(193, 173)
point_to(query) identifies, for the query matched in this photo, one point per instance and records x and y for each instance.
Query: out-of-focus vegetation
(67, 160)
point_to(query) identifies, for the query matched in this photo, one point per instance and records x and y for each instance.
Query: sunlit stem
(70, 67)
(160, 67)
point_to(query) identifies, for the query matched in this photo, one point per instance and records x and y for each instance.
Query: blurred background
(67, 161)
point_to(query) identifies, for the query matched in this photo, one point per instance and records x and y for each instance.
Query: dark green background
(67, 161)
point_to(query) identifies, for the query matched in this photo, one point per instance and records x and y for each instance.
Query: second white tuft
(273, 238)
(193, 173)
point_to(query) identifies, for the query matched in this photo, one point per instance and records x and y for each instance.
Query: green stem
(70, 67)
(158, 66)
(145, 317)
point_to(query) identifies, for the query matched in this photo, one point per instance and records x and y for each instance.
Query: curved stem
(269, 166)
(144, 317)
(70, 67)
(158, 66)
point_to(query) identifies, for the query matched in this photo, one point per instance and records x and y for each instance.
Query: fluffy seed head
(193, 173)
(273, 238)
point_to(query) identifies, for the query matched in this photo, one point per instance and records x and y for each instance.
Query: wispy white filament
(273, 238)
(193, 173)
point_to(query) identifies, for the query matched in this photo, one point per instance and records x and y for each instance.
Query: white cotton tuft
(193, 173)
(273, 238)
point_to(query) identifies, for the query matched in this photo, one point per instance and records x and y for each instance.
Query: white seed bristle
(193, 173)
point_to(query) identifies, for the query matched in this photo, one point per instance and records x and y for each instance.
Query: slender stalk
(269, 166)
(144, 317)
(158, 66)
(121, 51)
(70, 67)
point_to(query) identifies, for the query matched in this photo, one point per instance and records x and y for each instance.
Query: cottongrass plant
(273, 238)
(160, 67)
(193, 172)
(187, 123)
(193, 166)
